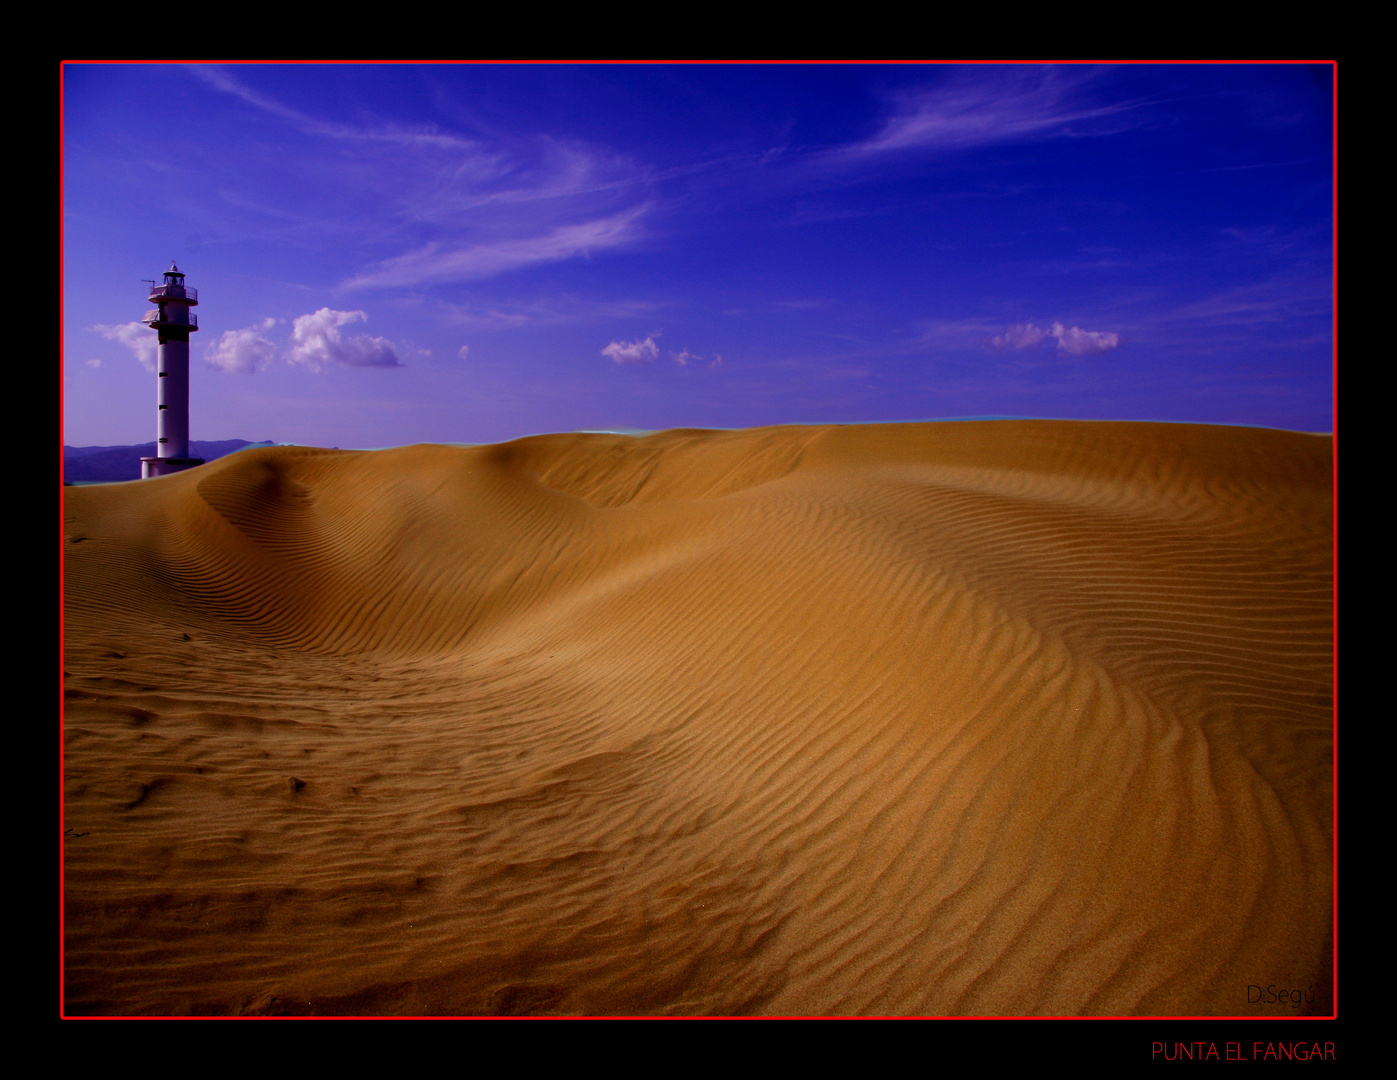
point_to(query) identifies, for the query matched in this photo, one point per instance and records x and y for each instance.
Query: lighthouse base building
(174, 322)
(160, 466)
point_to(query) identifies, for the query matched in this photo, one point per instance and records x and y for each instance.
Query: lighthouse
(174, 322)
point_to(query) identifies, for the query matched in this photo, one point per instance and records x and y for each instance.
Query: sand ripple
(948, 719)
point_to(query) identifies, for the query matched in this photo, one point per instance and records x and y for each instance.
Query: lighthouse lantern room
(173, 321)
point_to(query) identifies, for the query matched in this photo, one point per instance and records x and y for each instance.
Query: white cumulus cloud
(317, 343)
(94, 363)
(632, 352)
(465, 352)
(1081, 342)
(1074, 342)
(136, 336)
(684, 358)
(243, 352)
(1023, 336)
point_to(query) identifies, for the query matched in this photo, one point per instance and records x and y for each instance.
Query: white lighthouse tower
(174, 322)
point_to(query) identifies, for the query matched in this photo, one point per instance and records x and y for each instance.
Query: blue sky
(391, 254)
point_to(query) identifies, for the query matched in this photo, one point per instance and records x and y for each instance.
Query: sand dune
(944, 719)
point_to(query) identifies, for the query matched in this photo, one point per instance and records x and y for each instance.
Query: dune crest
(982, 718)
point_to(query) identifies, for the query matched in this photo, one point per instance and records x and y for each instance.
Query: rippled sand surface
(995, 718)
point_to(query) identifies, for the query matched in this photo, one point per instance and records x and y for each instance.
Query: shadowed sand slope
(1016, 717)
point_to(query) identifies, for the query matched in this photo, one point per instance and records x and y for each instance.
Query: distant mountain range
(97, 463)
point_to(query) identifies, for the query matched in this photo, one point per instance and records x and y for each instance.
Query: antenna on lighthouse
(173, 322)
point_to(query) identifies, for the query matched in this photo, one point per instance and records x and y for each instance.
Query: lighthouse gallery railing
(174, 292)
(152, 317)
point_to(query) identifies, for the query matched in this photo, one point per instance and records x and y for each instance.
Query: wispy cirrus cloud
(440, 262)
(975, 107)
(421, 136)
(549, 198)
(506, 314)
